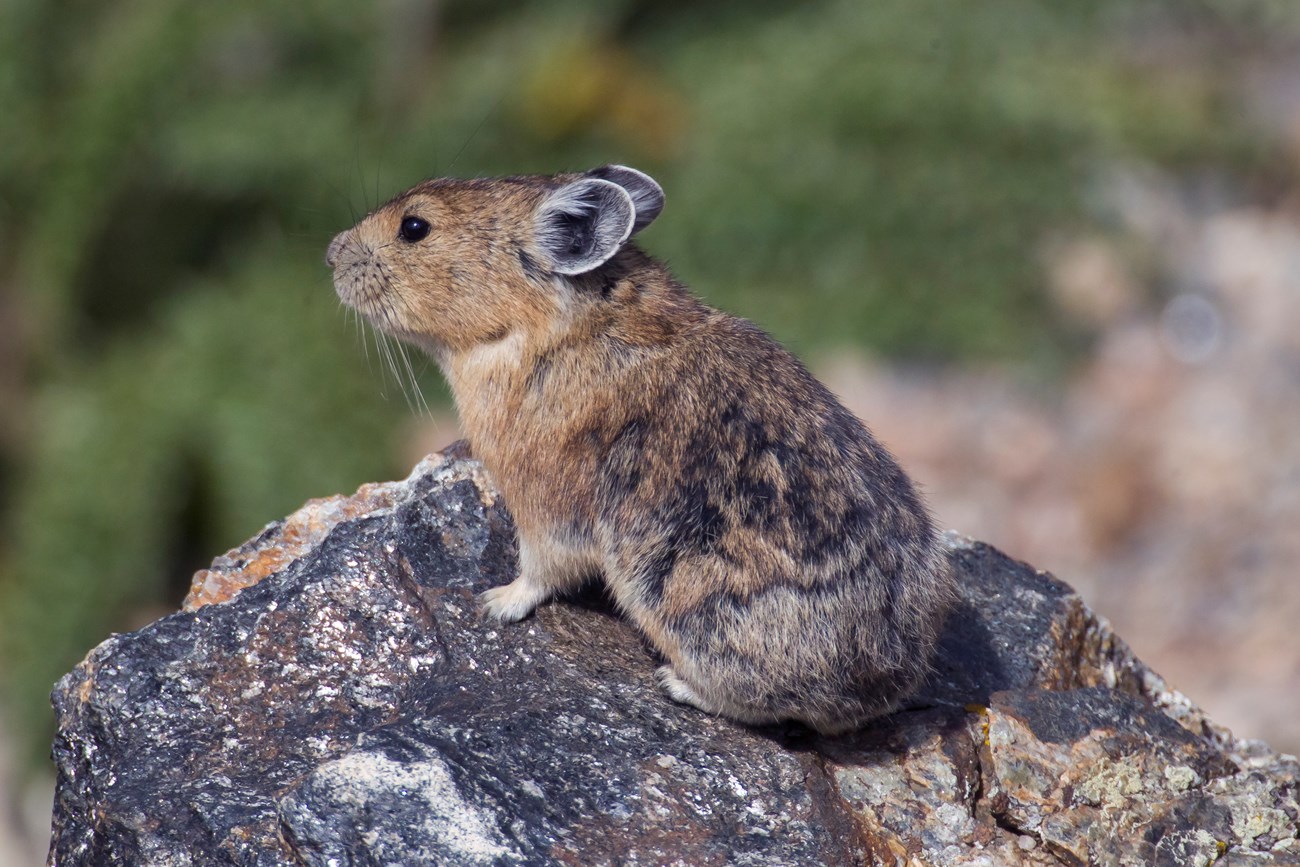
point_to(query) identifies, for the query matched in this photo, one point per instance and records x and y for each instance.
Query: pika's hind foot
(514, 601)
(680, 691)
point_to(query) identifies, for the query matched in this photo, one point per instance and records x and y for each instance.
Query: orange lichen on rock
(285, 541)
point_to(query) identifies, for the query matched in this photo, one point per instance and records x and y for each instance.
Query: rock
(330, 695)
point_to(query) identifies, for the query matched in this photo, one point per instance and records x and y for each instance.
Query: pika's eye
(413, 229)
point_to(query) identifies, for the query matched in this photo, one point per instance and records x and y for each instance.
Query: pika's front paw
(514, 601)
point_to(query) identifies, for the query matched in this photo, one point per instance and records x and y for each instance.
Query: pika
(763, 541)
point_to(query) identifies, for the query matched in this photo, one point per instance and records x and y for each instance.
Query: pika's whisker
(421, 405)
(389, 363)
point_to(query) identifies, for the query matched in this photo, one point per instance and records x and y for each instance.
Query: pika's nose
(336, 247)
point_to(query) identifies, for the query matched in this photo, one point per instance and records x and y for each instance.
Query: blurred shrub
(878, 174)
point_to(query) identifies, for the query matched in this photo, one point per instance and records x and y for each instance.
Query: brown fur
(764, 542)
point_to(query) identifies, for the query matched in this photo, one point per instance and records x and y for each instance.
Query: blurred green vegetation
(176, 369)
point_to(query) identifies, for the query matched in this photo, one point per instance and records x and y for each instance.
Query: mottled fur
(765, 543)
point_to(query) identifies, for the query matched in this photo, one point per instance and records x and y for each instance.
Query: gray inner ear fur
(583, 223)
(647, 195)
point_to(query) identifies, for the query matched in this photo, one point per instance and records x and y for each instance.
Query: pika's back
(776, 537)
(744, 444)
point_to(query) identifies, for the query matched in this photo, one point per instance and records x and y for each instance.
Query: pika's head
(450, 264)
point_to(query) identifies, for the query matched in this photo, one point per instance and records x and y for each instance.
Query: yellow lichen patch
(1180, 778)
(1111, 785)
(984, 719)
(1267, 822)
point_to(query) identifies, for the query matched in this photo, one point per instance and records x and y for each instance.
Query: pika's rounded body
(753, 529)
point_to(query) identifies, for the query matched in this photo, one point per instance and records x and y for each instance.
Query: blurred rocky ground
(1162, 477)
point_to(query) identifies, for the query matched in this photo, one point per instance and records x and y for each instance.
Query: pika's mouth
(349, 284)
(365, 282)
(362, 283)
(357, 286)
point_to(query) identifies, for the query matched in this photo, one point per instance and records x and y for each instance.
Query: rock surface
(330, 695)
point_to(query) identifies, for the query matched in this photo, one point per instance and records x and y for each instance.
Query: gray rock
(330, 696)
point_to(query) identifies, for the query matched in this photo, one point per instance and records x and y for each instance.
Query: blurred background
(1050, 252)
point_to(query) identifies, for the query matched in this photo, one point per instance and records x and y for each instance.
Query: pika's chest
(547, 486)
(542, 458)
(542, 426)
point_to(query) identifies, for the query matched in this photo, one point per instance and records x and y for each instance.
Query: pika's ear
(583, 223)
(647, 195)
